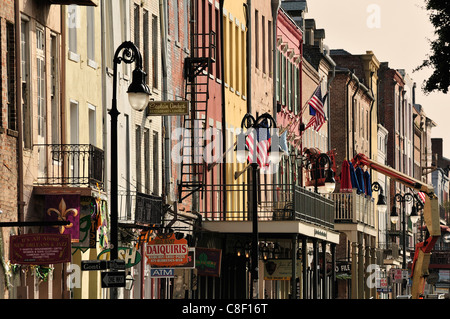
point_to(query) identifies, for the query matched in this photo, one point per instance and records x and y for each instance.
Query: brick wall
(8, 147)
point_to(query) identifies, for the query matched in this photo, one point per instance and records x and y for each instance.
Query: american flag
(316, 110)
(249, 141)
(263, 146)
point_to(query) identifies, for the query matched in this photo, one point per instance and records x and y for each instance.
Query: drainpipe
(222, 87)
(333, 74)
(104, 96)
(166, 119)
(370, 113)
(275, 7)
(347, 112)
(249, 55)
(353, 109)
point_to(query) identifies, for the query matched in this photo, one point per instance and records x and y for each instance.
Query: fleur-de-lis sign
(62, 214)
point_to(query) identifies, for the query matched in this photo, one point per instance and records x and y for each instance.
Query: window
(218, 44)
(90, 32)
(54, 78)
(296, 90)
(155, 163)
(127, 164)
(109, 42)
(289, 85)
(256, 38)
(147, 167)
(176, 27)
(146, 50)
(264, 53)
(40, 73)
(25, 65)
(72, 11)
(238, 58)
(244, 58)
(270, 52)
(186, 23)
(283, 79)
(278, 73)
(155, 51)
(137, 26)
(225, 48)
(232, 57)
(138, 158)
(92, 125)
(10, 73)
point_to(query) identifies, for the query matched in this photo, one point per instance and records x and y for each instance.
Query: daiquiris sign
(167, 251)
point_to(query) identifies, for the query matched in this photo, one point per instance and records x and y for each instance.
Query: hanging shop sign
(40, 249)
(168, 108)
(63, 208)
(190, 264)
(130, 255)
(166, 250)
(280, 269)
(208, 261)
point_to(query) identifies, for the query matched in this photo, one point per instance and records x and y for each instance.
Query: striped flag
(263, 145)
(249, 141)
(422, 196)
(316, 110)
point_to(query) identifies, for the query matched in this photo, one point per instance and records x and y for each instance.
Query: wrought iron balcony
(275, 202)
(73, 165)
(77, 2)
(139, 209)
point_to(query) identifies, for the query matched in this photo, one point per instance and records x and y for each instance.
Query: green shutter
(277, 67)
(289, 97)
(296, 106)
(283, 80)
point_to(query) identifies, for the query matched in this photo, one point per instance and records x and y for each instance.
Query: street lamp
(403, 199)
(330, 182)
(138, 95)
(249, 122)
(381, 204)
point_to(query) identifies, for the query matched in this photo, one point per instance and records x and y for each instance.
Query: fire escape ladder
(196, 73)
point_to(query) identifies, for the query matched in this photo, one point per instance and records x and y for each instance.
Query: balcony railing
(140, 209)
(354, 208)
(76, 165)
(275, 202)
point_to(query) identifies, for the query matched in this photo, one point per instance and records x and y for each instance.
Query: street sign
(102, 264)
(118, 264)
(112, 279)
(94, 265)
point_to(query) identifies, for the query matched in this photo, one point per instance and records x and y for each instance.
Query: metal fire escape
(196, 73)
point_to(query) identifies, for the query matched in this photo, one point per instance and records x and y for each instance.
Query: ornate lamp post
(138, 96)
(249, 122)
(417, 205)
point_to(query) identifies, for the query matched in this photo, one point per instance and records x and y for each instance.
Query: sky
(398, 32)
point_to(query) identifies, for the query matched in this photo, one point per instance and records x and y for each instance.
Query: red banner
(40, 249)
(63, 208)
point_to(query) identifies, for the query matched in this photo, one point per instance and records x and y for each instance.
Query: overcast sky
(398, 32)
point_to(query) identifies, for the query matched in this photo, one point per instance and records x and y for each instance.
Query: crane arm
(421, 261)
